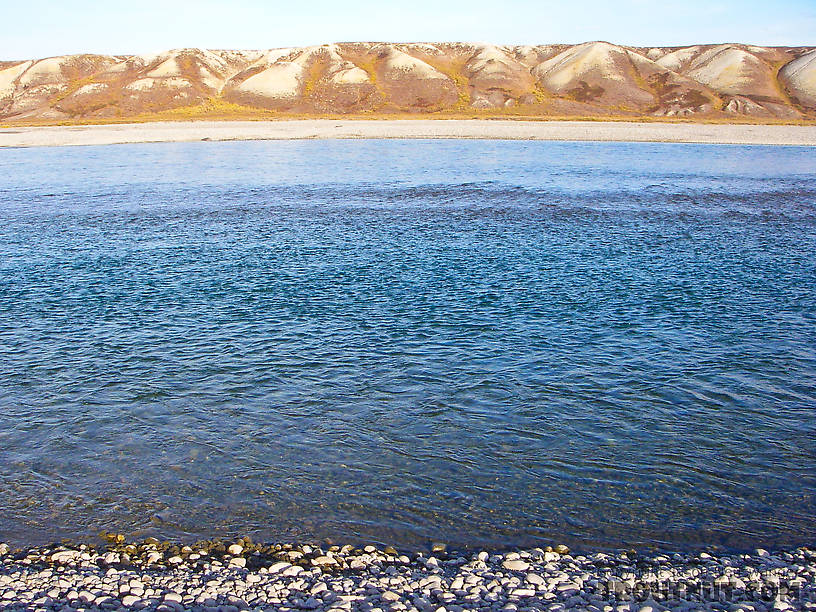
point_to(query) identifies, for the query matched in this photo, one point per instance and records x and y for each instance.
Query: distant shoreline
(304, 129)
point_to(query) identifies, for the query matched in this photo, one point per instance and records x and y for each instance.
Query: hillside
(595, 79)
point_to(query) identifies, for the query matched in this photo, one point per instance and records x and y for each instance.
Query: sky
(42, 28)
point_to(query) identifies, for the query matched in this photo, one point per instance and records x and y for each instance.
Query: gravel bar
(241, 575)
(620, 131)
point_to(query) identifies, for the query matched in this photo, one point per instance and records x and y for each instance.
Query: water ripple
(606, 345)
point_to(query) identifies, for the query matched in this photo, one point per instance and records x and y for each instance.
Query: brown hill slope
(590, 79)
(744, 76)
(799, 79)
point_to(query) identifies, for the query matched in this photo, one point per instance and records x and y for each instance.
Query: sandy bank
(324, 128)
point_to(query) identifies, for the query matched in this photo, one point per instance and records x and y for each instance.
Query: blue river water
(489, 344)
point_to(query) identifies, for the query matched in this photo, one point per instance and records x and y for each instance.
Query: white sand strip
(484, 129)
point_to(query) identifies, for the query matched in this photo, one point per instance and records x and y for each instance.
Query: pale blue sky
(39, 28)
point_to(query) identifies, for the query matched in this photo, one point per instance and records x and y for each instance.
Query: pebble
(349, 580)
(154, 558)
(64, 556)
(516, 565)
(324, 560)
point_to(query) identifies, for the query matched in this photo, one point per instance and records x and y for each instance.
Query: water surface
(485, 343)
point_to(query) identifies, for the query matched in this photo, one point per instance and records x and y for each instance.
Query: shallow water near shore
(489, 344)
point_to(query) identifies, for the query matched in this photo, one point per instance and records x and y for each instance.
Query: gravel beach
(241, 575)
(621, 131)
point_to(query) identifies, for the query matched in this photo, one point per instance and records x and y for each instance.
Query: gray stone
(130, 601)
(535, 579)
(324, 560)
(154, 557)
(516, 565)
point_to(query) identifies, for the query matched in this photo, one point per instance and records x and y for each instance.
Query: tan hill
(799, 79)
(592, 79)
(499, 78)
(614, 77)
(744, 76)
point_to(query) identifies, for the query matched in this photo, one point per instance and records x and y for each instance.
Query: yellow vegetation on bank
(456, 73)
(214, 108)
(225, 111)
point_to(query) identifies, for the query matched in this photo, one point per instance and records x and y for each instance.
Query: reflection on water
(486, 343)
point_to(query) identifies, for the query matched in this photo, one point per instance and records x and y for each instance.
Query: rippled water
(485, 343)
